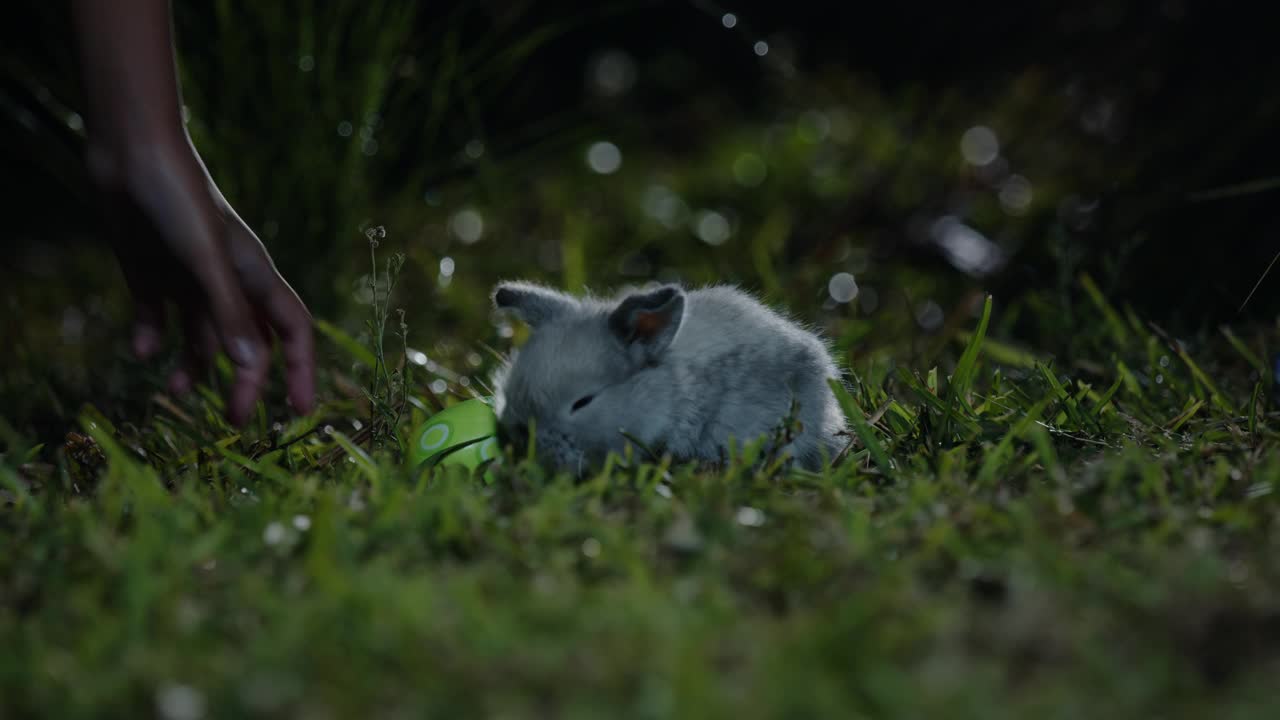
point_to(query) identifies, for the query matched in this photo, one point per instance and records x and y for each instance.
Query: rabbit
(681, 371)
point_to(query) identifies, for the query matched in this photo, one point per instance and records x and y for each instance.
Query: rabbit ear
(647, 322)
(533, 303)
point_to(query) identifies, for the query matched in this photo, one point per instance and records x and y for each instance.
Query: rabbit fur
(681, 371)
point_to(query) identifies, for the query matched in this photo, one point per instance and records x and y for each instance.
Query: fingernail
(242, 352)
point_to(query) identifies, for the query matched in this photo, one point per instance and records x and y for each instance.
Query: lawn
(1058, 500)
(1005, 538)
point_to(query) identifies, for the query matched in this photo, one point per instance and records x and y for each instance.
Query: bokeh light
(604, 158)
(663, 205)
(750, 517)
(967, 249)
(979, 145)
(180, 702)
(929, 315)
(712, 228)
(842, 287)
(612, 73)
(467, 225)
(1015, 194)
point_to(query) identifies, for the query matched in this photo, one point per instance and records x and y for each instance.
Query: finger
(234, 324)
(285, 312)
(292, 323)
(250, 380)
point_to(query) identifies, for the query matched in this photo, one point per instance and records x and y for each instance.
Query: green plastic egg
(464, 434)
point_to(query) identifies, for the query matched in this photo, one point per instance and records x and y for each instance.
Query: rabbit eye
(582, 402)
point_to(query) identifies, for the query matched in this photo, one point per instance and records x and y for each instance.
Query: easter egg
(464, 434)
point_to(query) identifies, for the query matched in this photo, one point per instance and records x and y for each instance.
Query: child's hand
(177, 238)
(180, 242)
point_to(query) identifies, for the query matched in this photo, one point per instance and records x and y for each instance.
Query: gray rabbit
(681, 371)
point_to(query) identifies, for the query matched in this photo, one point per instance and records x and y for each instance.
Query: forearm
(138, 144)
(127, 61)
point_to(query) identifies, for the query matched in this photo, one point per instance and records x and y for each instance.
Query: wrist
(117, 163)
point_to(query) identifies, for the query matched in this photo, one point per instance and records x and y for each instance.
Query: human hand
(178, 240)
(180, 243)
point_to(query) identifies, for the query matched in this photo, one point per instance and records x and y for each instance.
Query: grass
(1002, 541)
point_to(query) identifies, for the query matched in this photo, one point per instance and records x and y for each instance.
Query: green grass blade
(1181, 419)
(997, 457)
(962, 378)
(343, 340)
(1069, 405)
(1106, 397)
(363, 461)
(1249, 356)
(1214, 394)
(863, 430)
(1112, 319)
(265, 469)
(1253, 409)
